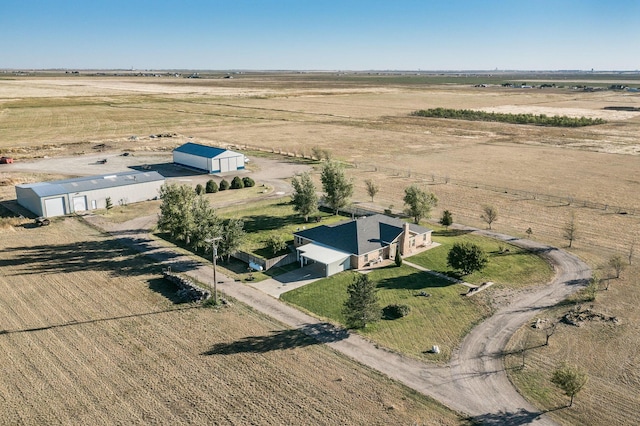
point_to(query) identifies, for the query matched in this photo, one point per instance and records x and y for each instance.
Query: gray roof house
(57, 198)
(354, 244)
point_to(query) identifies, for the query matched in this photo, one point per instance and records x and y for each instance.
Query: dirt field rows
(88, 336)
(358, 122)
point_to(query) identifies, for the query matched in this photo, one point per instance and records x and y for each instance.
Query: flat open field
(89, 335)
(366, 121)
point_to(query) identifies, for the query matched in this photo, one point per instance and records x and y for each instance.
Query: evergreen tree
(361, 307)
(447, 219)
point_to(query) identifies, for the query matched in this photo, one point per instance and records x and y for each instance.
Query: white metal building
(57, 198)
(208, 158)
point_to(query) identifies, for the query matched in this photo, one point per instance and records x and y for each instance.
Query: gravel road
(474, 382)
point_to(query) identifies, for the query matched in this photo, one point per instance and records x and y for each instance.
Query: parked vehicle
(42, 221)
(6, 160)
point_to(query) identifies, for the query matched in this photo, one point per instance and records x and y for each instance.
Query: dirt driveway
(474, 382)
(263, 170)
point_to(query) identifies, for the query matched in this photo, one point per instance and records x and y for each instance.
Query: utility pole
(215, 256)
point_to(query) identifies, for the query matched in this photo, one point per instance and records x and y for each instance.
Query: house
(208, 159)
(57, 198)
(354, 244)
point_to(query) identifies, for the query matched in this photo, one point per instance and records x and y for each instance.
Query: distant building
(208, 158)
(61, 197)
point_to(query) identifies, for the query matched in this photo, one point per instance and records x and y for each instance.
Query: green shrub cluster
(395, 311)
(537, 120)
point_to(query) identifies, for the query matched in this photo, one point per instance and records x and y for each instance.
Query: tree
(372, 188)
(211, 187)
(467, 257)
(176, 210)
(418, 203)
(108, 204)
(569, 379)
(361, 307)
(236, 183)
(224, 185)
(591, 289)
(232, 237)
(549, 331)
(304, 197)
(529, 231)
(276, 243)
(571, 230)
(205, 225)
(617, 264)
(199, 189)
(447, 219)
(489, 214)
(337, 188)
(248, 182)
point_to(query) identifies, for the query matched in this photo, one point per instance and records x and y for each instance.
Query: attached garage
(208, 158)
(50, 199)
(332, 260)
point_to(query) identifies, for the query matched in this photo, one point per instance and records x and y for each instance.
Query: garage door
(54, 207)
(79, 204)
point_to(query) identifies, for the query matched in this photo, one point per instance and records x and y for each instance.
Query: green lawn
(442, 319)
(513, 266)
(271, 217)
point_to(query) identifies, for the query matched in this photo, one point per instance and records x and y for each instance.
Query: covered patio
(331, 260)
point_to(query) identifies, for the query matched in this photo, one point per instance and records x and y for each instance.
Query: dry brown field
(368, 124)
(89, 335)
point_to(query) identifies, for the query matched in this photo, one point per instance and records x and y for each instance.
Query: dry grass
(88, 335)
(609, 353)
(367, 122)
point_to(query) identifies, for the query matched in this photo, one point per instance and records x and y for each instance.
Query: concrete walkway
(474, 382)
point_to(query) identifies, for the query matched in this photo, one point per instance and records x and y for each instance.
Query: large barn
(57, 198)
(208, 158)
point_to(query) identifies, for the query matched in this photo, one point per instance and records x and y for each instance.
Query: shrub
(276, 243)
(224, 185)
(237, 183)
(398, 260)
(199, 189)
(212, 186)
(396, 311)
(248, 182)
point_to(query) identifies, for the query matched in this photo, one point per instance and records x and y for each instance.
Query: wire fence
(437, 179)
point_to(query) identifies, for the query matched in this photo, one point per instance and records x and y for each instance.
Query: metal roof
(322, 254)
(88, 183)
(200, 150)
(362, 235)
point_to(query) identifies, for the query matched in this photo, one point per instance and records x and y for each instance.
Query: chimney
(403, 242)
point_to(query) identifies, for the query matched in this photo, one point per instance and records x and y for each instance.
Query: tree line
(537, 120)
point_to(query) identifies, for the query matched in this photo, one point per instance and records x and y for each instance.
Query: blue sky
(321, 34)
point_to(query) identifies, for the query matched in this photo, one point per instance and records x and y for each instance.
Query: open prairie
(89, 335)
(535, 176)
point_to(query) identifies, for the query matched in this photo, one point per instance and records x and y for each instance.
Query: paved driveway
(285, 282)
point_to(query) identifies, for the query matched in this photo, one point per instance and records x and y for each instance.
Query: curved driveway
(474, 382)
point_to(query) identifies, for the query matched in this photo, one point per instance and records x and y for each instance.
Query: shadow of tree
(307, 335)
(501, 418)
(415, 281)
(117, 257)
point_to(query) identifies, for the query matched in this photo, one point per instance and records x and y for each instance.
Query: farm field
(89, 335)
(366, 122)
